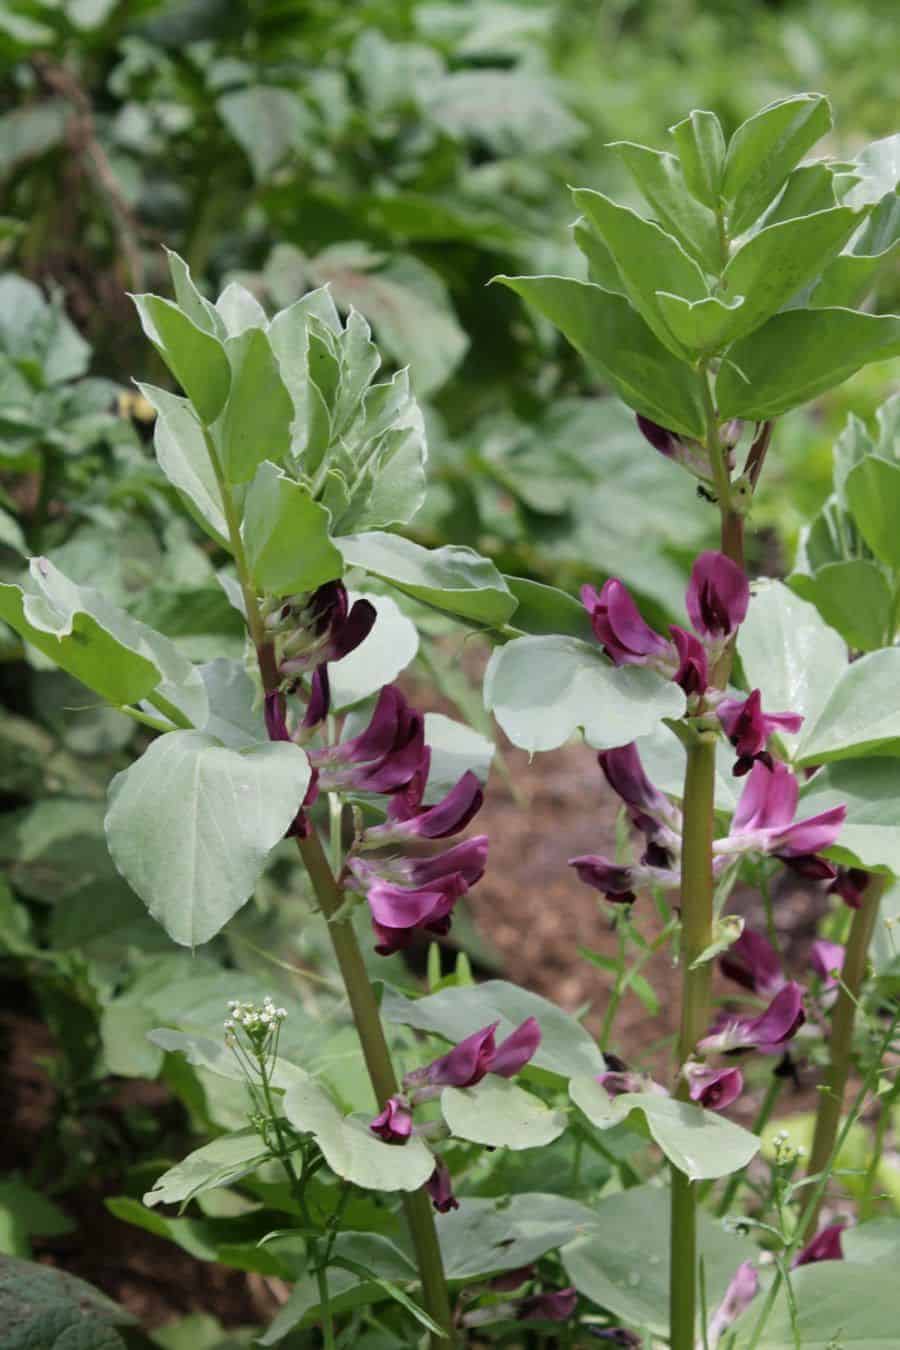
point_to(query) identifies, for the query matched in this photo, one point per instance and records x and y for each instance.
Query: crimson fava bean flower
(394, 1123)
(753, 962)
(764, 823)
(409, 820)
(384, 758)
(440, 1188)
(549, 1307)
(825, 1246)
(474, 1057)
(717, 596)
(312, 629)
(713, 1088)
(741, 1292)
(617, 882)
(768, 1031)
(749, 728)
(618, 626)
(826, 958)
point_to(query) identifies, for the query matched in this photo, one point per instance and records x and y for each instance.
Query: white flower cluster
(785, 1152)
(255, 1018)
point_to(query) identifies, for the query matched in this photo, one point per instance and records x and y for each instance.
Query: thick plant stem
(696, 936)
(831, 1100)
(364, 1007)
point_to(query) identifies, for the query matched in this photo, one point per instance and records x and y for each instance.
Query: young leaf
(542, 610)
(659, 177)
(872, 490)
(453, 579)
(199, 310)
(285, 535)
(763, 151)
(543, 689)
(701, 150)
(182, 455)
(855, 271)
(500, 1114)
(191, 824)
(216, 1164)
(195, 357)
(349, 1146)
(615, 341)
(256, 424)
(238, 310)
(799, 354)
(854, 597)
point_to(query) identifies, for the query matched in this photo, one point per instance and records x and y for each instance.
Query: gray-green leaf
(500, 1114)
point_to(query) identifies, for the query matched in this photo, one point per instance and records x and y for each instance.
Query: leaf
(42, 1308)
(199, 310)
(214, 1055)
(238, 310)
(790, 654)
(351, 1149)
(233, 1242)
(183, 457)
(841, 1304)
(778, 261)
(455, 749)
(543, 611)
(701, 150)
(500, 1114)
(118, 657)
(700, 325)
(878, 165)
(648, 259)
(285, 534)
(267, 123)
(453, 579)
(862, 713)
(565, 1048)
(623, 1265)
(256, 424)
(659, 177)
(389, 648)
(799, 354)
(616, 342)
(29, 131)
(872, 489)
(235, 714)
(195, 358)
(485, 1236)
(854, 597)
(509, 111)
(855, 271)
(764, 150)
(543, 689)
(699, 1143)
(216, 1164)
(869, 788)
(191, 824)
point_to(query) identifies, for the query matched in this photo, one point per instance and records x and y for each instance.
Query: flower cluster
(251, 1033)
(463, 1066)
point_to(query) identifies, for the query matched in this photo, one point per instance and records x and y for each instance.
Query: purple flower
(713, 1088)
(825, 958)
(619, 883)
(625, 774)
(394, 1123)
(717, 596)
(764, 822)
(407, 822)
(319, 702)
(692, 672)
(618, 626)
(327, 628)
(385, 757)
(850, 884)
(749, 728)
(739, 1295)
(752, 962)
(440, 1187)
(468, 1062)
(276, 717)
(556, 1307)
(825, 1246)
(770, 1029)
(666, 442)
(399, 911)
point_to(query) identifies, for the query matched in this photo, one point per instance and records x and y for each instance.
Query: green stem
(367, 1018)
(170, 711)
(831, 1099)
(696, 936)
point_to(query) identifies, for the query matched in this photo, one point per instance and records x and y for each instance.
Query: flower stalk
(831, 1100)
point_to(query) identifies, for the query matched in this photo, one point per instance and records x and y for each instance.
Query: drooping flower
(474, 1057)
(764, 823)
(440, 1188)
(749, 728)
(739, 1295)
(618, 626)
(625, 774)
(767, 1031)
(826, 958)
(394, 1123)
(385, 757)
(714, 1089)
(850, 884)
(408, 822)
(399, 911)
(692, 670)
(275, 714)
(717, 596)
(557, 1306)
(825, 1246)
(753, 962)
(666, 442)
(314, 628)
(619, 883)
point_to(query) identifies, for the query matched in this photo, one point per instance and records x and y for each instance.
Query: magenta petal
(752, 962)
(453, 812)
(464, 1065)
(394, 1123)
(768, 800)
(692, 673)
(468, 859)
(401, 907)
(811, 835)
(611, 879)
(825, 958)
(440, 1188)
(781, 1019)
(825, 1246)
(717, 595)
(714, 1089)
(631, 634)
(514, 1053)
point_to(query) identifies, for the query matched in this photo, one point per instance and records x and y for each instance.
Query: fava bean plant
(749, 738)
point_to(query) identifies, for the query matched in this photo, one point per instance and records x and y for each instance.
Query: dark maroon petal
(611, 879)
(556, 1307)
(666, 442)
(468, 859)
(808, 865)
(464, 1065)
(692, 673)
(319, 697)
(717, 595)
(825, 1246)
(449, 816)
(513, 1053)
(276, 717)
(850, 884)
(625, 774)
(752, 962)
(440, 1187)
(352, 631)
